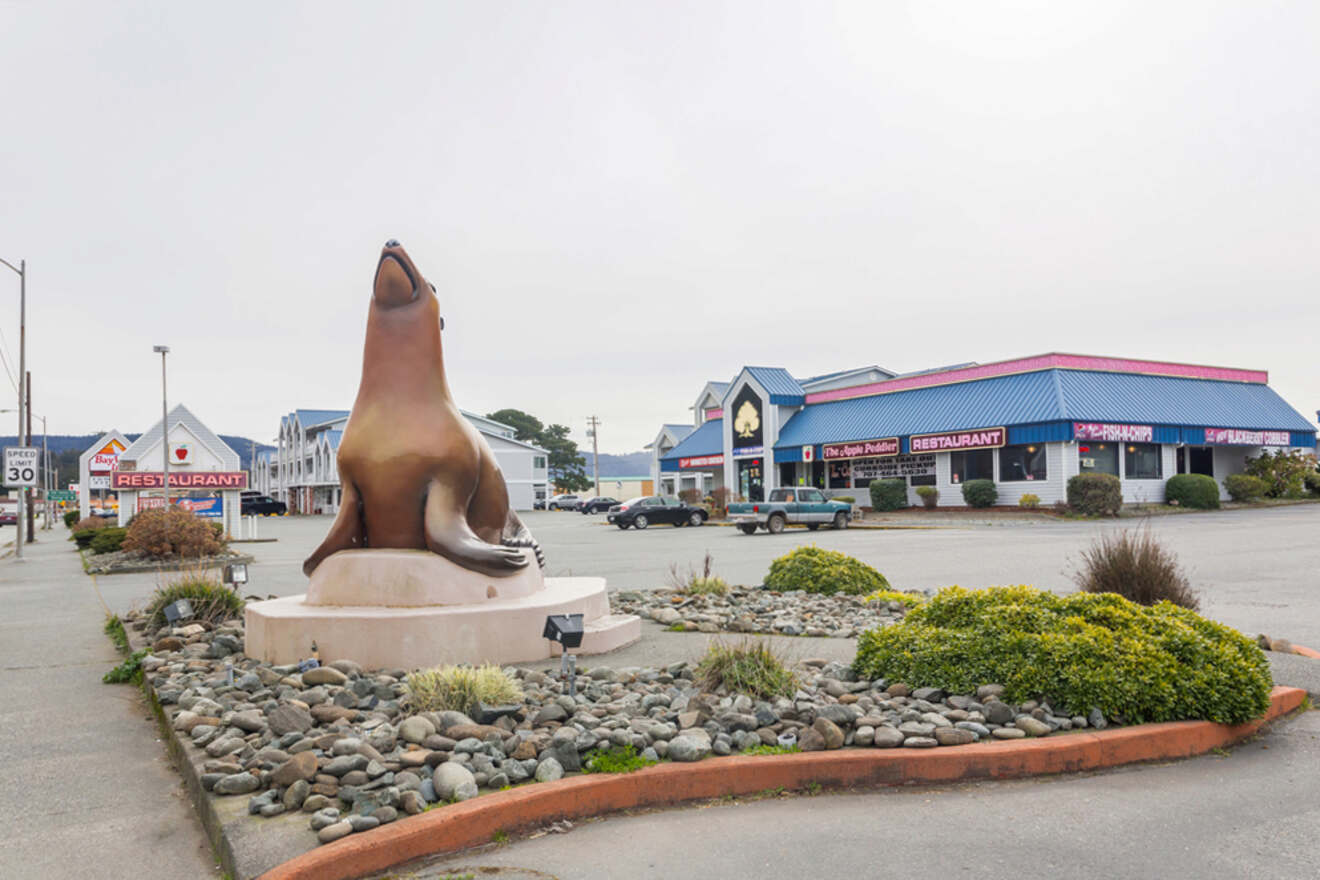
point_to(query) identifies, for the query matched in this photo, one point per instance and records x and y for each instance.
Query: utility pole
(31, 508)
(595, 454)
(21, 271)
(163, 350)
(45, 474)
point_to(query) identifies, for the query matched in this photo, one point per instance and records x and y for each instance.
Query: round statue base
(393, 629)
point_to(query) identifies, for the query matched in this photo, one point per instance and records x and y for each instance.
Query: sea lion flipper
(347, 532)
(448, 533)
(517, 535)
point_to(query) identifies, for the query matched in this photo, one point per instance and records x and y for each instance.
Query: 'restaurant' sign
(699, 461)
(1234, 437)
(191, 480)
(860, 449)
(1113, 433)
(985, 438)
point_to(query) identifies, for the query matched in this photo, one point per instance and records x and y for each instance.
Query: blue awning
(706, 440)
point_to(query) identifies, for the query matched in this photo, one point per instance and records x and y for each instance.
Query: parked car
(563, 502)
(538, 504)
(9, 512)
(597, 504)
(263, 505)
(648, 509)
(809, 507)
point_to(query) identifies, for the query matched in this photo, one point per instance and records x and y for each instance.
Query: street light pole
(22, 371)
(163, 350)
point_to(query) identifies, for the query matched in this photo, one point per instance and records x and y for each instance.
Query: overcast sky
(621, 201)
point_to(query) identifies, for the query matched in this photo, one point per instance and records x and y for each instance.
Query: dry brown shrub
(1137, 567)
(172, 531)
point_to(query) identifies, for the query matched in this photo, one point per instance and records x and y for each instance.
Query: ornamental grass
(460, 688)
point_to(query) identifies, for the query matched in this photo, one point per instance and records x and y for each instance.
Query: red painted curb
(1306, 652)
(475, 822)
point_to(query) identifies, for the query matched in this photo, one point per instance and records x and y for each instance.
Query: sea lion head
(398, 282)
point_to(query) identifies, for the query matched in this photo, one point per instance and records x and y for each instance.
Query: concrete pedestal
(413, 609)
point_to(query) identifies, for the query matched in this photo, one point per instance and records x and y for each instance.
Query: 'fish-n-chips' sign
(187, 480)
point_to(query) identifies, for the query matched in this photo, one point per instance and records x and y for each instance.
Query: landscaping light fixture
(236, 573)
(180, 610)
(566, 629)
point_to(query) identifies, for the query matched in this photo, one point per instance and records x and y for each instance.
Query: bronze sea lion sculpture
(415, 473)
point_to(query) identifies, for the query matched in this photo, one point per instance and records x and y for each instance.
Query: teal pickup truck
(785, 507)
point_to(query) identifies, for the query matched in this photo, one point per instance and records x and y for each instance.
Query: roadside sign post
(21, 466)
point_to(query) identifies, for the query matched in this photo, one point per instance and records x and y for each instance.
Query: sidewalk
(86, 789)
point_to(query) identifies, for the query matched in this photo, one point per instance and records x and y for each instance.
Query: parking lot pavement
(1257, 570)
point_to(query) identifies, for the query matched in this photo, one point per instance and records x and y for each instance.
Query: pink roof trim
(1043, 362)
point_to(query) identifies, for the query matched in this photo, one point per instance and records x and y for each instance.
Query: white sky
(621, 201)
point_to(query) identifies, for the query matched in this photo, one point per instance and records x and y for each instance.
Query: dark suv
(262, 504)
(642, 512)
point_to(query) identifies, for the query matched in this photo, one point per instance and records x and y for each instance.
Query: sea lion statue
(415, 473)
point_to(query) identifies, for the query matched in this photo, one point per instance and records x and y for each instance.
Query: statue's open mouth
(395, 283)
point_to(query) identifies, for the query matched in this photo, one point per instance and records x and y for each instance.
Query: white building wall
(1051, 489)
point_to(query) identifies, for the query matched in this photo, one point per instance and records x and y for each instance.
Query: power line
(5, 360)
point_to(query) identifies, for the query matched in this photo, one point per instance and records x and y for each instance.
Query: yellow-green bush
(460, 688)
(211, 600)
(1158, 663)
(823, 571)
(749, 667)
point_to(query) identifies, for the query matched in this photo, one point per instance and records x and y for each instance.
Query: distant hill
(61, 444)
(634, 464)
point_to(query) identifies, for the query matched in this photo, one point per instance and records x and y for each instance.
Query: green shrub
(211, 600)
(1137, 567)
(1313, 482)
(1244, 487)
(888, 494)
(823, 571)
(929, 495)
(460, 688)
(911, 600)
(1283, 471)
(83, 537)
(107, 540)
(1162, 663)
(708, 586)
(70, 517)
(980, 493)
(1095, 494)
(1029, 501)
(1192, 490)
(618, 759)
(750, 667)
(128, 671)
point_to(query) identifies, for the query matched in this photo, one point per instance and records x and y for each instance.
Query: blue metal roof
(782, 388)
(309, 417)
(706, 440)
(1045, 396)
(679, 431)
(334, 437)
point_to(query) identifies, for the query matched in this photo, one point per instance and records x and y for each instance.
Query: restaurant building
(1028, 424)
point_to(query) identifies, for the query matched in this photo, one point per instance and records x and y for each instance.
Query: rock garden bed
(340, 744)
(133, 561)
(760, 610)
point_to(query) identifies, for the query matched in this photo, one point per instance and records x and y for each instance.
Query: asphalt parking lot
(1257, 570)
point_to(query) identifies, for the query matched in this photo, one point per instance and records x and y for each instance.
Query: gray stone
(237, 783)
(953, 736)
(920, 742)
(250, 721)
(1032, 726)
(295, 795)
(864, 735)
(999, 713)
(345, 764)
(333, 832)
(315, 802)
(829, 732)
(838, 714)
(979, 730)
(324, 675)
(549, 770)
(687, 748)
(322, 818)
(1097, 719)
(416, 729)
(1008, 733)
(916, 728)
(552, 712)
(272, 810)
(887, 737)
(265, 799)
(363, 823)
(448, 777)
(930, 695)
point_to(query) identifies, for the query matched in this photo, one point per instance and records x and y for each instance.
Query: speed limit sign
(21, 465)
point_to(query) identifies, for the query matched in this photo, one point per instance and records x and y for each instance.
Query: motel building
(1028, 424)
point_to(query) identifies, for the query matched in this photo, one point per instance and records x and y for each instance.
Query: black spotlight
(566, 629)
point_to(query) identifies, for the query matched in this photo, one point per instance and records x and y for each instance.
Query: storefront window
(1017, 463)
(1142, 461)
(840, 474)
(922, 480)
(1097, 458)
(977, 464)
